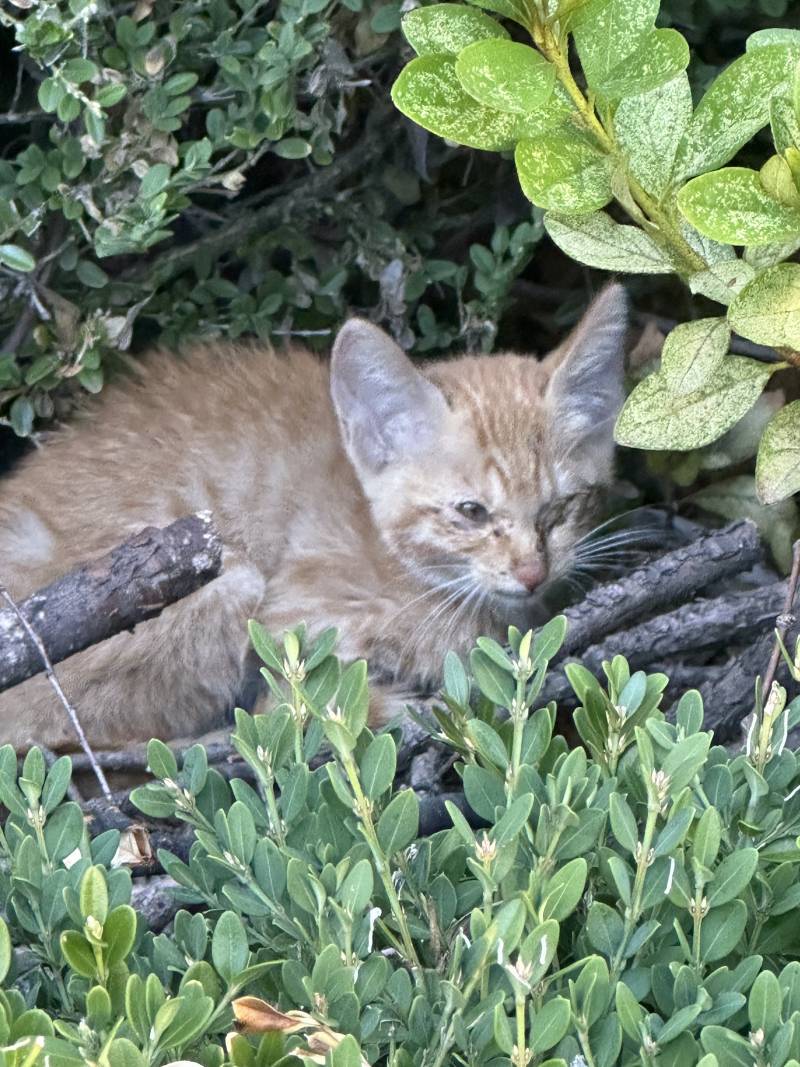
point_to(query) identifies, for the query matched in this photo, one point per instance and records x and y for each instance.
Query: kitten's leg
(175, 675)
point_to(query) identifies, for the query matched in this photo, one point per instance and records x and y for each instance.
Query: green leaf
(722, 281)
(609, 32)
(722, 930)
(293, 148)
(564, 890)
(5, 951)
(50, 94)
(518, 10)
(737, 498)
(764, 1003)
(429, 92)
(483, 790)
(735, 107)
(79, 70)
(692, 353)
(399, 823)
(732, 206)
(229, 950)
(660, 56)
(63, 832)
(180, 83)
(155, 180)
(732, 877)
(78, 953)
(511, 823)
(561, 171)
(684, 760)
(550, 1024)
(649, 127)
(598, 241)
(730, 1049)
(90, 274)
(21, 416)
(356, 889)
(94, 894)
(446, 29)
(506, 75)
(656, 418)
(119, 934)
(768, 309)
(346, 1053)
(17, 258)
(353, 698)
(378, 766)
(707, 837)
(623, 824)
(494, 681)
(778, 464)
(604, 928)
(161, 760)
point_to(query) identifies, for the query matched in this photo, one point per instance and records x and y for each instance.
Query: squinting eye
(473, 511)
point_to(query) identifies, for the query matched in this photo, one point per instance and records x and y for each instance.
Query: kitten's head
(482, 472)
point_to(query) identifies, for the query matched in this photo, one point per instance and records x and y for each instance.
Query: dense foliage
(627, 902)
(628, 134)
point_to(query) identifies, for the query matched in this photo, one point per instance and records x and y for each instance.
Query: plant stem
(364, 812)
(633, 911)
(671, 237)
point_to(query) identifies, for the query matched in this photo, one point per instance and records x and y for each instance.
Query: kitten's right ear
(387, 410)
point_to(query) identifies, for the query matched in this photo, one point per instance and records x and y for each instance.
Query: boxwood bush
(630, 901)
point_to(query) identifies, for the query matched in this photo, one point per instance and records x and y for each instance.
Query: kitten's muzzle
(530, 575)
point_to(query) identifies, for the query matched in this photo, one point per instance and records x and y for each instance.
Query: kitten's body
(362, 535)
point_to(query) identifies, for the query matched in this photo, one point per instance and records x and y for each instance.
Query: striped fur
(342, 513)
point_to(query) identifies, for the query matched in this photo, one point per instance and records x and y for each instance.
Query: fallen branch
(131, 583)
(660, 584)
(47, 666)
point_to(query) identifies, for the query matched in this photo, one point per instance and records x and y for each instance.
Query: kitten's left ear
(586, 391)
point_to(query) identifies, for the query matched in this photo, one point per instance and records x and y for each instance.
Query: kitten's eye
(473, 511)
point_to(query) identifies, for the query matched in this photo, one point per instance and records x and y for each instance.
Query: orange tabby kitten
(414, 509)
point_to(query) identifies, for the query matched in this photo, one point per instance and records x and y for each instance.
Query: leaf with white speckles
(732, 205)
(521, 11)
(767, 310)
(649, 127)
(761, 256)
(661, 55)
(722, 281)
(735, 107)
(608, 32)
(656, 418)
(692, 353)
(445, 29)
(506, 75)
(783, 123)
(778, 464)
(776, 35)
(598, 241)
(736, 498)
(429, 92)
(563, 172)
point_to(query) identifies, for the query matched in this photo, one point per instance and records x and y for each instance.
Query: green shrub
(629, 135)
(628, 902)
(168, 171)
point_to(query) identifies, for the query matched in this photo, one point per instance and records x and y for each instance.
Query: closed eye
(473, 511)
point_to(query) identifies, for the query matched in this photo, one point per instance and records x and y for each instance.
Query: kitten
(412, 508)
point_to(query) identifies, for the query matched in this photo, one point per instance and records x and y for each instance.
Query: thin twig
(70, 710)
(784, 621)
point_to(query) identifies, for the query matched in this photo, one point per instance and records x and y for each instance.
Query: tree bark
(660, 584)
(133, 582)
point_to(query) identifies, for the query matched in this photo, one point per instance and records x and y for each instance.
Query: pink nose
(530, 575)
